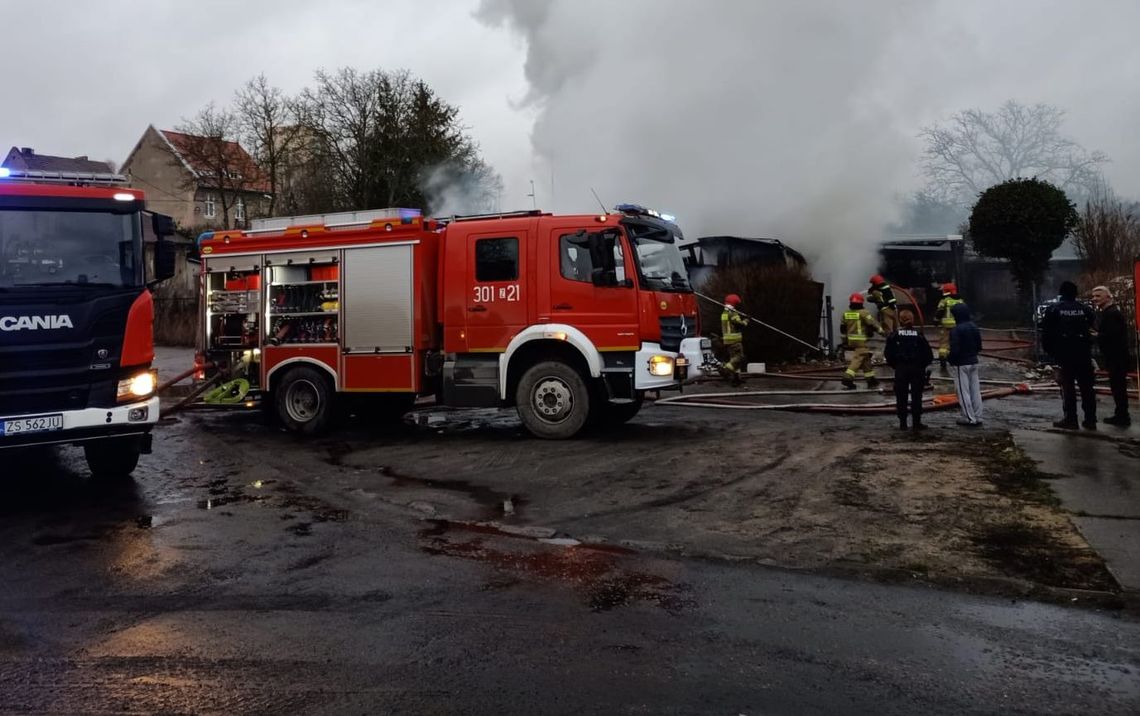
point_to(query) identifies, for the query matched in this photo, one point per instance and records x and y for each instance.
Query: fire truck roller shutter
(377, 299)
(550, 331)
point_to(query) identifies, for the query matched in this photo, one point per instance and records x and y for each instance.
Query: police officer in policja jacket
(1067, 338)
(909, 353)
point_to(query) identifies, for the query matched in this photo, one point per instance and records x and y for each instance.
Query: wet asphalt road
(246, 572)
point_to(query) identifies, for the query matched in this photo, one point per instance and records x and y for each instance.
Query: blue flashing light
(205, 236)
(639, 210)
(5, 172)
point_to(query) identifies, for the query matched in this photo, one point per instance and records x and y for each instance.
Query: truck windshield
(659, 261)
(69, 248)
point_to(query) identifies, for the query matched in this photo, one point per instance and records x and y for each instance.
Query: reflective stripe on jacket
(730, 323)
(853, 323)
(944, 307)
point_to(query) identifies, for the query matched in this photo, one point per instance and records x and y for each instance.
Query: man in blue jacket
(965, 344)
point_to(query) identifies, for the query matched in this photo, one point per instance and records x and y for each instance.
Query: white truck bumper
(684, 364)
(80, 425)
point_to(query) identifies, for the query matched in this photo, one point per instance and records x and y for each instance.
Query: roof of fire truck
(63, 185)
(326, 230)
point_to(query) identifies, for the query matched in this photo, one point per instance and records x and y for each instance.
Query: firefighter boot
(848, 384)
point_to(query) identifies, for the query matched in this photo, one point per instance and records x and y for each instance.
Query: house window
(496, 259)
(211, 206)
(239, 210)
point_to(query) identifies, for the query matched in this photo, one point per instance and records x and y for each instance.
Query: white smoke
(744, 118)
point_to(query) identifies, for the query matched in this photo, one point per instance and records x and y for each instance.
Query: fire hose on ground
(731, 401)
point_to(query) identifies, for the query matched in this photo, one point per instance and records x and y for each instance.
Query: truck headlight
(661, 366)
(137, 386)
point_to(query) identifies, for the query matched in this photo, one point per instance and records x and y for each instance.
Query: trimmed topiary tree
(1023, 221)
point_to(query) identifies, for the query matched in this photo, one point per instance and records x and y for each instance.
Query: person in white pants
(965, 345)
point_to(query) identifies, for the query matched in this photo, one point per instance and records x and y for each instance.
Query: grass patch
(1031, 552)
(1015, 474)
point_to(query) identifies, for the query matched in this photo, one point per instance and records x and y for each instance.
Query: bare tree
(389, 140)
(977, 150)
(268, 125)
(210, 146)
(1107, 238)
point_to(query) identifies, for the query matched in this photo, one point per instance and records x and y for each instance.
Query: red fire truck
(568, 318)
(75, 315)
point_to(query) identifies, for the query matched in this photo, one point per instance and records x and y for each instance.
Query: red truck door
(496, 304)
(606, 314)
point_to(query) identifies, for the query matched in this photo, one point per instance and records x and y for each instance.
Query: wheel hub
(302, 401)
(553, 399)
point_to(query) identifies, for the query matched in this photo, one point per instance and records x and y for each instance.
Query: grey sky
(790, 118)
(88, 77)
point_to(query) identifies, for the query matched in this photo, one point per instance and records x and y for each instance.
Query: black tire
(614, 414)
(113, 460)
(304, 398)
(553, 401)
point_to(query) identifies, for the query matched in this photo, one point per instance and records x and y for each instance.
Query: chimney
(27, 151)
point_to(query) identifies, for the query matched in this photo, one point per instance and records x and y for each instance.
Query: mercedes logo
(102, 353)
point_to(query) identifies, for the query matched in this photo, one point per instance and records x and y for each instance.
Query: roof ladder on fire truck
(493, 215)
(71, 178)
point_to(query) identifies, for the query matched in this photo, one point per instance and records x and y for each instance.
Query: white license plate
(34, 424)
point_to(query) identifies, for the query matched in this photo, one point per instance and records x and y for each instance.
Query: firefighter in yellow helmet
(732, 322)
(858, 326)
(946, 320)
(884, 299)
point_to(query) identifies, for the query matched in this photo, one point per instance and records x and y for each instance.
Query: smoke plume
(799, 120)
(751, 119)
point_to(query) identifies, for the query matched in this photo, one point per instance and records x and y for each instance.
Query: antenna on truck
(604, 209)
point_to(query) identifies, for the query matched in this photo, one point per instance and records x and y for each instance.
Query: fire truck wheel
(613, 414)
(304, 400)
(553, 400)
(112, 460)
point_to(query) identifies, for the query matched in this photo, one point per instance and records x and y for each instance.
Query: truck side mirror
(164, 260)
(163, 225)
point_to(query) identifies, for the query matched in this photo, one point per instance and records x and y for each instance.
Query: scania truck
(76, 344)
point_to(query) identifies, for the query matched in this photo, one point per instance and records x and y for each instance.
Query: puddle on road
(593, 570)
(493, 503)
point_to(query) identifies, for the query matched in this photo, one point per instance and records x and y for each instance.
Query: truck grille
(42, 378)
(674, 329)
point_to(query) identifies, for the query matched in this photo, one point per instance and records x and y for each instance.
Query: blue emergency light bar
(639, 210)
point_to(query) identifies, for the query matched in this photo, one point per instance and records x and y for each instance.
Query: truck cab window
(496, 260)
(575, 262)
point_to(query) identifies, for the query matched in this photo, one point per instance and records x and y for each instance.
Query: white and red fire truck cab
(569, 318)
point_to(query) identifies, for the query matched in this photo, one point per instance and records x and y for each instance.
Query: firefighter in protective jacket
(858, 326)
(884, 299)
(946, 320)
(732, 322)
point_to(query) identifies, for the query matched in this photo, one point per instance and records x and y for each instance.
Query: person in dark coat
(1112, 337)
(909, 354)
(1067, 338)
